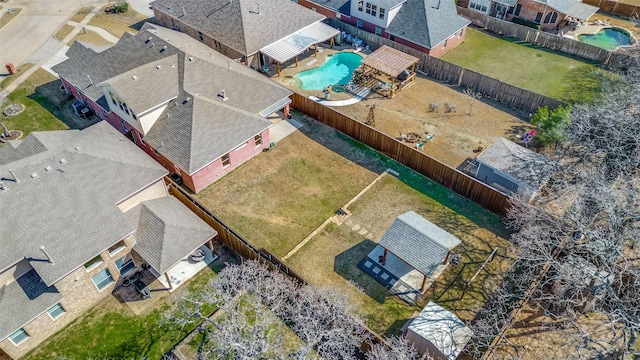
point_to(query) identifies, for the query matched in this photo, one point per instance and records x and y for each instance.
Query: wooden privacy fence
(536, 37)
(453, 179)
(457, 75)
(615, 7)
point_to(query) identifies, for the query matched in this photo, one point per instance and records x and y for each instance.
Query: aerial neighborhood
(319, 179)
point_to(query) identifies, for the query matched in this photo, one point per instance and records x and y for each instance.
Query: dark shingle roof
(341, 6)
(237, 23)
(23, 300)
(71, 208)
(519, 162)
(418, 242)
(427, 22)
(167, 232)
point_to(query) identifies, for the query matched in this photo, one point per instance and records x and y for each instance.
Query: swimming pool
(608, 38)
(337, 69)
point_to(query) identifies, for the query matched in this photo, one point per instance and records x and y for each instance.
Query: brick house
(431, 26)
(548, 14)
(77, 224)
(258, 34)
(197, 112)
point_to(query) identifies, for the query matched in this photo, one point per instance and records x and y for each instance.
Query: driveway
(37, 23)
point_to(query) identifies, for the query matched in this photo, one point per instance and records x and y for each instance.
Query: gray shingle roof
(167, 232)
(443, 329)
(237, 23)
(341, 6)
(199, 131)
(573, 8)
(427, 22)
(519, 162)
(418, 242)
(23, 300)
(70, 209)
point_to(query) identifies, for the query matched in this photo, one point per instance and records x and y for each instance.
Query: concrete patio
(185, 269)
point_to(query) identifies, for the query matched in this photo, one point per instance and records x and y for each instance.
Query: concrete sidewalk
(283, 129)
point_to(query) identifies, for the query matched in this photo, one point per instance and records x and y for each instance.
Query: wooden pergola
(392, 63)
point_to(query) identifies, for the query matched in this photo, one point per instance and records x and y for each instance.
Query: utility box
(11, 68)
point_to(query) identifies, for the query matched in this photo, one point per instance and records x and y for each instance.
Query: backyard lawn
(40, 113)
(537, 69)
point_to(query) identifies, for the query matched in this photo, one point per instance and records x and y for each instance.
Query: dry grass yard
(118, 24)
(91, 37)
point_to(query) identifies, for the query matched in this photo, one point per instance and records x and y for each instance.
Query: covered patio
(387, 71)
(410, 256)
(295, 44)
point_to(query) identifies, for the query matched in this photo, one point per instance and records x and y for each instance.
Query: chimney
(15, 179)
(47, 254)
(259, 9)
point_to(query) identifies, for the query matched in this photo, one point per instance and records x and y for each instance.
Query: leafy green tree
(552, 124)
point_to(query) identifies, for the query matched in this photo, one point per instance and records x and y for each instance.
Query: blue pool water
(337, 69)
(608, 39)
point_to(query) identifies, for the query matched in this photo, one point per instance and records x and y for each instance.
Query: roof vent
(190, 58)
(134, 77)
(63, 161)
(15, 179)
(49, 258)
(78, 148)
(34, 175)
(186, 100)
(259, 9)
(158, 67)
(148, 40)
(48, 168)
(223, 96)
(60, 169)
(164, 48)
(2, 187)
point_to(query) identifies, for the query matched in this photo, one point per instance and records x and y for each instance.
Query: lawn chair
(429, 137)
(404, 137)
(449, 107)
(433, 107)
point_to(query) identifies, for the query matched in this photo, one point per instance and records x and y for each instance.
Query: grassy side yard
(40, 114)
(331, 257)
(111, 331)
(90, 37)
(118, 24)
(521, 64)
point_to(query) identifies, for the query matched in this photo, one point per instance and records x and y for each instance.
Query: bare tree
(399, 348)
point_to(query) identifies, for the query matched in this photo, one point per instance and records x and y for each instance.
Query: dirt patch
(475, 122)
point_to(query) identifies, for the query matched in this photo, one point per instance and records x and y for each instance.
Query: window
(374, 10)
(18, 336)
(125, 264)
(116, 248)
(382, 11)
(444, 44)
(460, 33)
(360, 3)
(378, 30)
(200, 37)
(226, 160)
(551, 18)
(258, 139)
(510, 10)
(155, 152)
(123, 125)
(55, 311)
(538, 17)
(217, 45)
(518, 8)
(93, 263)
(359, 23)
(392, 37)
(142, 140)
(102, 279)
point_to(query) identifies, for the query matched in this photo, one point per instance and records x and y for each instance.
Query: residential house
(513, 169)
(431, 26)
(438, 333)
(197, 112)
(256, 33)
(548, 14)
(80, 210)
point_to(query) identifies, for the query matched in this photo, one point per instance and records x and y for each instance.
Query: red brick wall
(531, 8)
(319, 9)
(438, 50)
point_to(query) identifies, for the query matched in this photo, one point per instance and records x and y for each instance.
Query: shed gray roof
(573, 8)
(71, 209)
(443, 329)
(167, 232)
(427, 22)
(418, 242)
(518, 162)
(341, 6)
(237, 24)
(23, 300)
(191, 133)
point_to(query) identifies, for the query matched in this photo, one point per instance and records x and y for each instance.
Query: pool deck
(594, 28)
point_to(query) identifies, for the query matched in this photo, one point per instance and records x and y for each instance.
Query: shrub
(120, 7)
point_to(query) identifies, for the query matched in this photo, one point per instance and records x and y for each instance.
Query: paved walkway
(100, 31)
(283, 129)
(357, 98)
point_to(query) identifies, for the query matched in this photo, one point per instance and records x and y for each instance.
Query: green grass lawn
(331, 257)
(40, 114)
(111, 331)
(546, 72)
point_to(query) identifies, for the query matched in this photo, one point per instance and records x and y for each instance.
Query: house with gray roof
(431, 26)
(513, 169)
(410, 256)
(194, 110)
(80, 210)
(255, 33)
(547, 14)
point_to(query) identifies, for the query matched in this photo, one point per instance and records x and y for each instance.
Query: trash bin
(11, 68)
